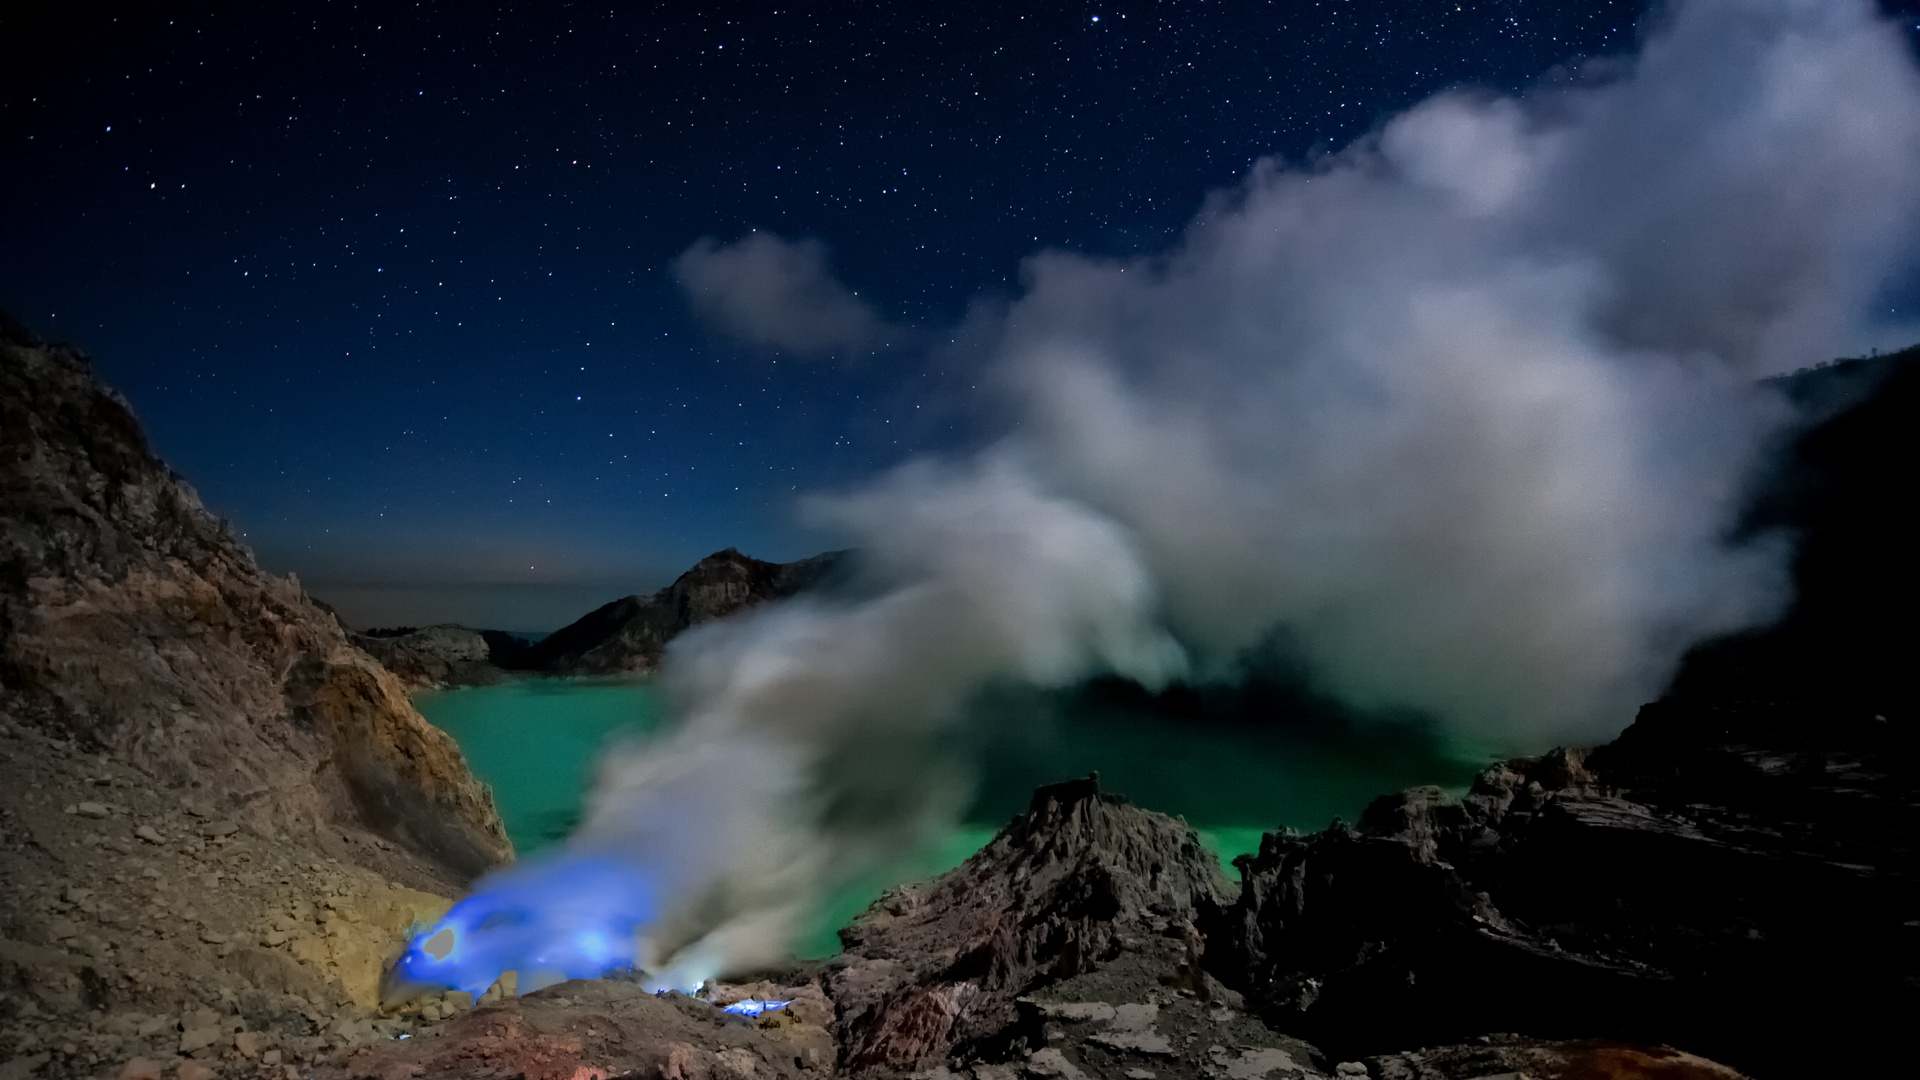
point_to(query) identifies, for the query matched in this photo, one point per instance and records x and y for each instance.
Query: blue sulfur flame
(750, 1007)
(568, 917)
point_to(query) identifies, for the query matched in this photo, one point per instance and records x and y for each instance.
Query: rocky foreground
(1068, 949)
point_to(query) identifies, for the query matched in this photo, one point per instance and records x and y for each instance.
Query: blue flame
(750, 1007)
(572, 916)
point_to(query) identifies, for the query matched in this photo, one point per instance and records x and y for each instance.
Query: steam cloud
(1466, 407)
(776, 294)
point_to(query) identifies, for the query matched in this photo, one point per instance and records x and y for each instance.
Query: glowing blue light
(571, 916)
(750, 1007)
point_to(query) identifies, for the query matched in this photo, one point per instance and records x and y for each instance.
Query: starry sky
(390, 283)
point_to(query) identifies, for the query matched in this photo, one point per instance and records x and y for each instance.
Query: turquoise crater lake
(535, 741)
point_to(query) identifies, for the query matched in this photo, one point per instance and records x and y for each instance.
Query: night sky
(390, 283)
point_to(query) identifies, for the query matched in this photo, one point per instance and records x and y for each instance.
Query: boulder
(936, 970)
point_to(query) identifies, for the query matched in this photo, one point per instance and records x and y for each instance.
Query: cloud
(1466, 410)
(776, 294)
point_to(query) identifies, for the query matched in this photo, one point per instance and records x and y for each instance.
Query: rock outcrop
(936, 970)
(133, 620)
(1694, 897)
(434, 656)
(629, 634)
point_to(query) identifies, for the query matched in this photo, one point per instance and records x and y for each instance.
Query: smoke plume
(1465, 409)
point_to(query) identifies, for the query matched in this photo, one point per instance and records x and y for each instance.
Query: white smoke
(803, 754)
(1465, 408)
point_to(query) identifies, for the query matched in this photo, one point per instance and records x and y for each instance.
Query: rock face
(434, 656)
(1693, 908)
(936, 970)
(630, 633)
(132, 620)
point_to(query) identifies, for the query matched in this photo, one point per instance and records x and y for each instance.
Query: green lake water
(535, 741)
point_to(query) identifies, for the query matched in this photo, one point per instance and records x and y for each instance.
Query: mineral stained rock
(629, 634)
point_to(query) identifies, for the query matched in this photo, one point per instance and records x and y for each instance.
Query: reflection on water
(1234, 766)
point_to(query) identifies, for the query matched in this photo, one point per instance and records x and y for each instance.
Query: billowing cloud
(776, 294)
(1466, 410)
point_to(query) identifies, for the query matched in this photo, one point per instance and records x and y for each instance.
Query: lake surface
(535, 741)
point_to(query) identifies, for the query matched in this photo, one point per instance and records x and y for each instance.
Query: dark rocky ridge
(630, 634)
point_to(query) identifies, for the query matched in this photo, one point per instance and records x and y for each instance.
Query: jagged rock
(629, 634)
(1136, 1013)
(434, 656)
(937, 969)
(1551, 902)
(135, 621)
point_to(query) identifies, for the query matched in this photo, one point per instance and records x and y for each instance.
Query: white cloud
(776, 294)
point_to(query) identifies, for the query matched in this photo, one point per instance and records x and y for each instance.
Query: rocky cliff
(133, 622)
(630, 633)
